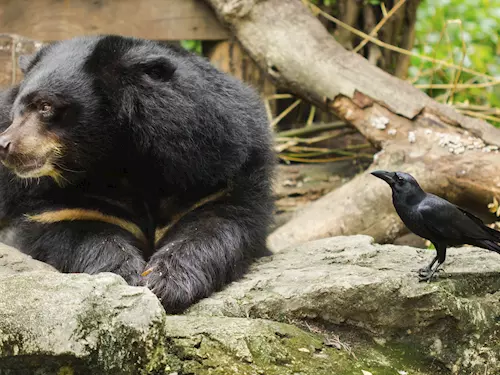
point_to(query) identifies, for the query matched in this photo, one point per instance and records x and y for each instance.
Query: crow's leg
(440, 258)
(427, 270)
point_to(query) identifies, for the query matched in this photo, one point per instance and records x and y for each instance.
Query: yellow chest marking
(161, 232)
(80, 214)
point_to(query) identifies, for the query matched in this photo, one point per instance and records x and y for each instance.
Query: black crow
(436, 219)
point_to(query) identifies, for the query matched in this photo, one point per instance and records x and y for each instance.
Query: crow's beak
(384, 175)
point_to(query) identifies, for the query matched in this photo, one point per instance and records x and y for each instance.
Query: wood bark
(450, 154)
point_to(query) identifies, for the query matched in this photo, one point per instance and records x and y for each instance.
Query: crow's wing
(494, 235)
(447, 221)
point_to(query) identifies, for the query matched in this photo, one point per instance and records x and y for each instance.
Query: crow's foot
(428, 274)
(425, 271)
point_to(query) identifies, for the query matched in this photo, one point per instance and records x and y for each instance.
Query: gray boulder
(53, 323)
(350, 285)
(336, 306)
(13, 262)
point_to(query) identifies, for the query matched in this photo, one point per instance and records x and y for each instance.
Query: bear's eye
(45, 109)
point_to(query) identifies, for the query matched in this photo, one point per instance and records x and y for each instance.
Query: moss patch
(271, 348)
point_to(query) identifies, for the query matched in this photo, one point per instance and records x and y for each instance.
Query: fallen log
(450, 154)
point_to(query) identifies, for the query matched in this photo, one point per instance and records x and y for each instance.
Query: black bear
(135, 157)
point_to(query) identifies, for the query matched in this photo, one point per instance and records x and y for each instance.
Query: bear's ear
(158, 68)
(24, 62)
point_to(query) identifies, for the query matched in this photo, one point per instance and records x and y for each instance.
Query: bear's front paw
(130, 269)
(175, 283)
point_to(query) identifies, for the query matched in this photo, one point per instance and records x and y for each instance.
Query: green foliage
(192, 45)
(480, 21)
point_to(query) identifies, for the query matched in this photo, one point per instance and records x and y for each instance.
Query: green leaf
(192, 45)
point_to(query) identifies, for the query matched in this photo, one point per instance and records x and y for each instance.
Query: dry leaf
(493, 207)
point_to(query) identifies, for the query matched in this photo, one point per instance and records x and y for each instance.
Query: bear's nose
(5, 143)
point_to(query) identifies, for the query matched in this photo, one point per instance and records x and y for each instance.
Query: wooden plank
(10, 49)
(49, 20)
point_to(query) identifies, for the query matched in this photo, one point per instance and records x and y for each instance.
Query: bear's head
(65, 118)
(98, 103)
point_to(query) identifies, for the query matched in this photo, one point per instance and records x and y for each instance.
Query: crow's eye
(399, 178)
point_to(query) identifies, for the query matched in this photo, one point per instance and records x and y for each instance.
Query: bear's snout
(29, 150)
(5, 143)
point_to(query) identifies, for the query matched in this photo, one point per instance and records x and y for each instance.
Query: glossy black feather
(436, 219)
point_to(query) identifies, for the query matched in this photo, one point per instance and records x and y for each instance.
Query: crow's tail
(495, 235)
(488, 245)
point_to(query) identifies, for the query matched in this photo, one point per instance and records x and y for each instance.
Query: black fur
(155, 129)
